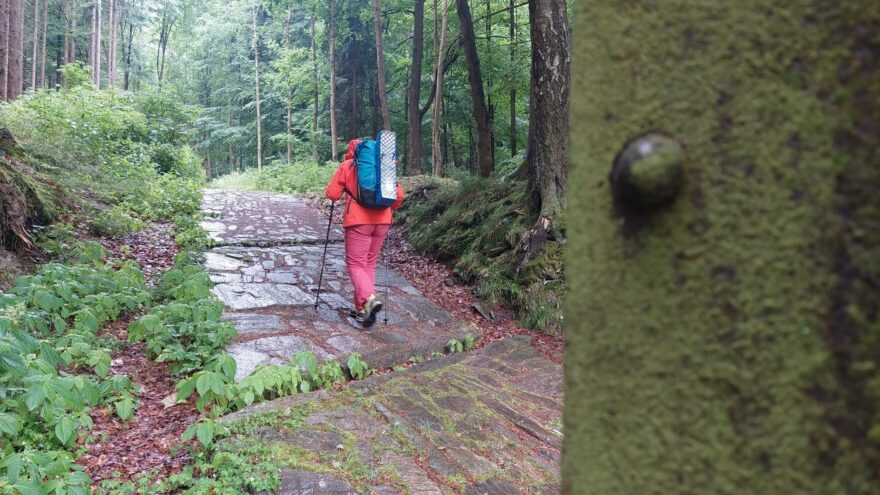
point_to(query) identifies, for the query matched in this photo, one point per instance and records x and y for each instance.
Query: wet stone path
(481, 422)
(265, 268)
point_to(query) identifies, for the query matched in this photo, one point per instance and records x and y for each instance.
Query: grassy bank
(475, 225)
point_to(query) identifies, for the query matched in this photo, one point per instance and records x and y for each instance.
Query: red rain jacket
(345, 179)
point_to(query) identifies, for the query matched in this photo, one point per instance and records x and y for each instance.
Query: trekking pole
(324, 257)
(385, 262)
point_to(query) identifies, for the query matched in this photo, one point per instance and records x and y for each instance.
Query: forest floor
(486, 421)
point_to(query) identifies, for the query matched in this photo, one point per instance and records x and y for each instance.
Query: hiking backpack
(375, 162)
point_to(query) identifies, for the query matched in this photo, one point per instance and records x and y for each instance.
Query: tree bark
(436, 154)
(414, 150)
(127, 76)
(41, 80)
(512, 82)
(34, 44)
(5, 8)
(332, 21)
(485, 152)
(65, 15)
(380, 65)
(91, 54)
(98, 45)
(548, 109)
(74, 17)
(15, 49)
(314, 92)
(289, 92)
(111, 48)
(724, 340)
(55, 81)
(257, 90)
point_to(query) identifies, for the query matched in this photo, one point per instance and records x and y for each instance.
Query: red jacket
(345, 179)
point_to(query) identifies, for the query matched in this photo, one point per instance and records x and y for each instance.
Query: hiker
(365, 232)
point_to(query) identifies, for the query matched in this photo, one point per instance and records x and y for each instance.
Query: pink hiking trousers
(362, 246)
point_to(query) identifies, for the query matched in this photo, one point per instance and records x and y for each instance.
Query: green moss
(705, 350)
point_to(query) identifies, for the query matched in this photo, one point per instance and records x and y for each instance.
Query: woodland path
(480, 422)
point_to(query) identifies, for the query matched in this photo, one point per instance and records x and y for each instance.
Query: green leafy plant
(468, 342)
(53, 368)
(454, 345)
(358, 367)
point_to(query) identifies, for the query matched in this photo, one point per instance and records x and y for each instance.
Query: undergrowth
(55, 367)
(475, 225)
(304, 177)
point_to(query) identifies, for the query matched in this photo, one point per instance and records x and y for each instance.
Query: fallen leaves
(433, 279)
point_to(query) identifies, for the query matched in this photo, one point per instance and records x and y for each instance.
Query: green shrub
(114, 221)
(111, 147)
(186, 331)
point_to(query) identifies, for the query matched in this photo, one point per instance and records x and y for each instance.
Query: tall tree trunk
(111, 49)
(436, 155)
(512, 81)
(91, 55)
(35, 46)
(5, 8)
(98, 29)
(725, 268)
(489, 104)
(414, 150)
(65, 15)
(548, 109)
(257, 90)
(41, 80)
(478, 100)
(15, 49)
(59, 62)
(314, 92)
(332, 20)
(380, 65)
(289, 92)
(74, 17)
(128, 56)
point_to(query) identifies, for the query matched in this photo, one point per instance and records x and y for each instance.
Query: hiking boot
(371, 308)
(359, 315)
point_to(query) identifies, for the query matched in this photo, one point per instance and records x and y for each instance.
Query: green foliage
(216, 388)
(476, 225)
(305, 177)
(358, 367)
(114, 221)
(187, 330)
(120, 149)
(53, 369)
(455, 345)
(76, 75)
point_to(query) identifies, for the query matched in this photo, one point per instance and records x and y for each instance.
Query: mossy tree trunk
(548, 110)
(724, 341)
